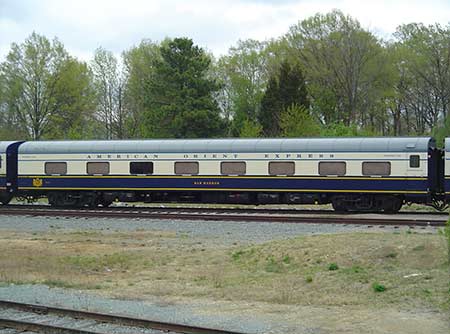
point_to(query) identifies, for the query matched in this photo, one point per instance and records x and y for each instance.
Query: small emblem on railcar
(37, 182)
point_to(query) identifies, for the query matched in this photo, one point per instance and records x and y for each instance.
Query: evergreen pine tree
(284, 90)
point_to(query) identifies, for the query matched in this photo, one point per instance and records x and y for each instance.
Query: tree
(180, 98)
(250, 129)
(139, 66)
(243, 77)
(30, 75)
(285, 89)
(344, 66)
(109, 83)
(296, 121)
(75, 103)
(423, 84)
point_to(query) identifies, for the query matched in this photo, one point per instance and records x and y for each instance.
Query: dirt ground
(377, 282)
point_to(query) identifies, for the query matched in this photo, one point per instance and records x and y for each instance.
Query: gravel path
(226, 233)
(178, 313)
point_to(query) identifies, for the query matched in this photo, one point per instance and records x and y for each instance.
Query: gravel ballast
(226, 232)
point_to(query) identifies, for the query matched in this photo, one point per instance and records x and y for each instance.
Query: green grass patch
(236, 256)
(104, 262)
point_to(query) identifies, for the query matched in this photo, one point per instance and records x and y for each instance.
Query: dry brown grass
(413, 267)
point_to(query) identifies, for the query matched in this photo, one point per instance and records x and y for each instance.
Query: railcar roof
(397, 144)
(447, 144)
(4, 145)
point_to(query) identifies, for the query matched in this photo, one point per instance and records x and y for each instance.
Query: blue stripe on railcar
(447, 187)
(243, 183)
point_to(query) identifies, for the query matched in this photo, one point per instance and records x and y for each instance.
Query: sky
(216, 25)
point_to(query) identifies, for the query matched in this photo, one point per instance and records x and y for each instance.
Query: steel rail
(177, 215)
(28, 326)
(104, 318)
(220, 209)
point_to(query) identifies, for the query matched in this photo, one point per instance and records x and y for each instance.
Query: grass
(445, 232)
(105, 262)
(311, 270)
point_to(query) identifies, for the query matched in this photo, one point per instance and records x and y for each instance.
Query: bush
(333, 266)
(377, 287)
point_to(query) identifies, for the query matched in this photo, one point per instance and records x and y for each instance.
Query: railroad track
(228, 214)
(22, 317)
(223, 209)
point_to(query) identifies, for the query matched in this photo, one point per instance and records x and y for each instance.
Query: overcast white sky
(84, 25)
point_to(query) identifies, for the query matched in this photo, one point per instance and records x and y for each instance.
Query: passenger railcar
(354, 174)
(8, 170)
(446, 173)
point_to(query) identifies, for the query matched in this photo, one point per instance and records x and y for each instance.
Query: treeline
(327, 76)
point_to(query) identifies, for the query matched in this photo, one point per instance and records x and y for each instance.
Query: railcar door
(12, 166)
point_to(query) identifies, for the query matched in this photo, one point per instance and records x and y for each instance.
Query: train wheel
(5, 198)
(392, 204)
(338, 204)
(105, 203)
(55, 199)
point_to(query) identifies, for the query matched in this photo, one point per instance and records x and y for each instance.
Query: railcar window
(281, 168)
(186, 167)
(414, 161)
(141, 168)
(98, 168)
(233, 168)
(55, 168)
(332, 168)
(376, 168)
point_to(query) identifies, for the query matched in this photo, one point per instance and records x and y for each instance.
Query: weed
(354, 270)
(392, 255)
(57, 283)
(377, 287)
(236, 256)
(333, 266)
(419, 248)
(308, 279)
(272, 266)
(357, 269)
(286, 259)
(217, 279)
